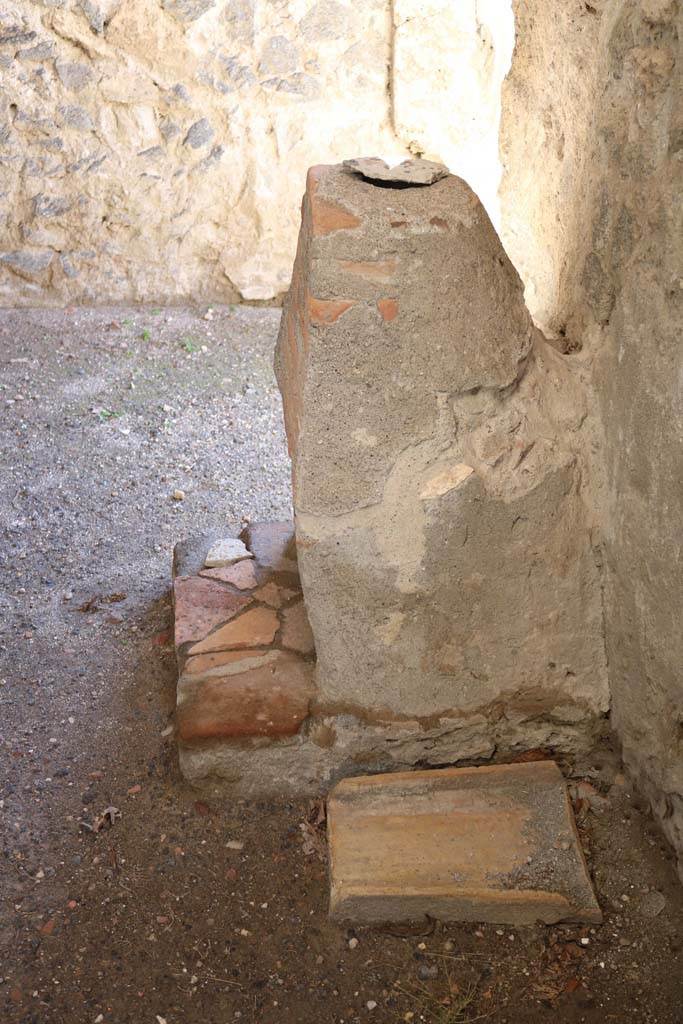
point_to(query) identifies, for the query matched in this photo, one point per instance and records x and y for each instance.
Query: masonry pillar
(442, 506)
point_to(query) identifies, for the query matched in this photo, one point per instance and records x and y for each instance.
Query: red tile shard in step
(263, 694)
(256, 628)
(241, 575)
(200, 605)
(296, 630)
(219, 663)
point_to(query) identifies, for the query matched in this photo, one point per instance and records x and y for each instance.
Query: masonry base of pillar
(250, 722)
(330, 748)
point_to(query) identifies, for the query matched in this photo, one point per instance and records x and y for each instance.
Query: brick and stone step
(243, 643)
(495, 844)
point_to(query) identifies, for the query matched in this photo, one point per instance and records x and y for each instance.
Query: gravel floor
(126, 897)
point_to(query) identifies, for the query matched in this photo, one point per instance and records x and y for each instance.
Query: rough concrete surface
(496, 844)
(191, 909)
(439, 472)
(591, 142)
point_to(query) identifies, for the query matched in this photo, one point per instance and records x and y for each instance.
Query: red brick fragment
(313, 176)
(241, 575)
(327, 216)
(326, 311)
(200, 605)
(371, 270)
(271, 700)
(388, 308)
(297, 634)
(218, 663)
(256, 628)
(295, 326)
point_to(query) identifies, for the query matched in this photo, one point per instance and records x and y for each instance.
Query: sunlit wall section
(449, 62)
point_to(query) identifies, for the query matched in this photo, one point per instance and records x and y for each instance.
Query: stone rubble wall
(154, 150)
(592, 145)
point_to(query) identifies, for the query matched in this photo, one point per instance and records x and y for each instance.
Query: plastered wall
(592, 138)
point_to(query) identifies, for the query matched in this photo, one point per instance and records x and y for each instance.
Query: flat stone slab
(410, 172)
(495, 844)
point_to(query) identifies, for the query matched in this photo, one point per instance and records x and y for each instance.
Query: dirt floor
(127, 897)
